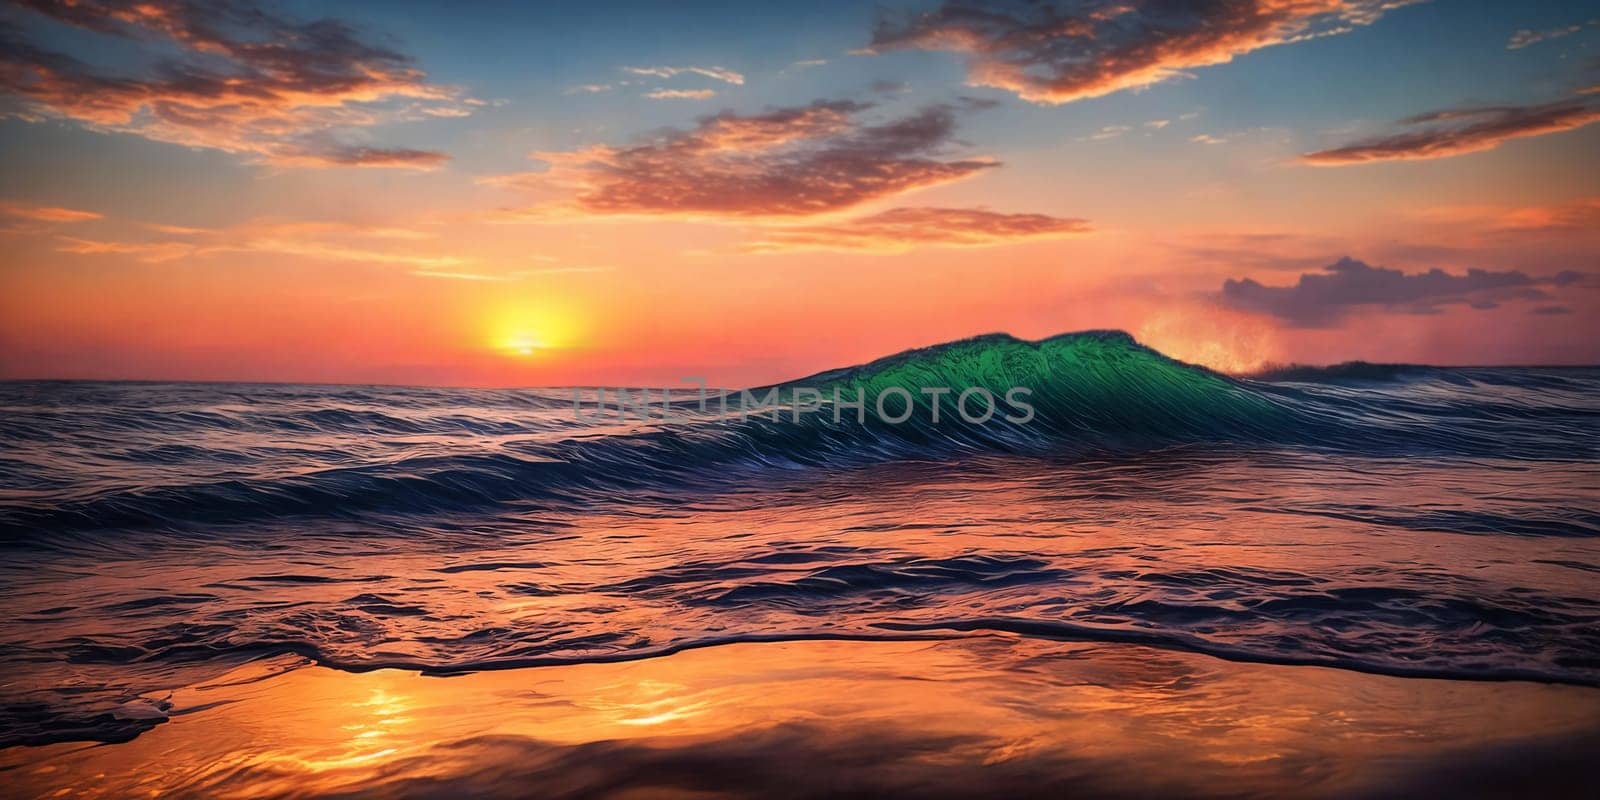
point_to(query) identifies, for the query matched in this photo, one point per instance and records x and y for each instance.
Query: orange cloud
(46, 213)
(788, 162)
(149, 252)
(1454, 132)
(1050, 54)
(1581, 214)
(244, 81)
(313, 240)
(904, 228)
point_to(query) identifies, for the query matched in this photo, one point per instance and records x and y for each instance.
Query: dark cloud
(787, 162)
(1452, 132)
(233, 76)
(1321, 299)
(1059, 52)
(905, 228)
(1550, 310)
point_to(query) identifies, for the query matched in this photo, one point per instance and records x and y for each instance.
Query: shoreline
(952, 717)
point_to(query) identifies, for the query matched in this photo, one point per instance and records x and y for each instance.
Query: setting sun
(528, 328)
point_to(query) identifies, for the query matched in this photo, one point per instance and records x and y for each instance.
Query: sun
(522, 345)
(527, 330)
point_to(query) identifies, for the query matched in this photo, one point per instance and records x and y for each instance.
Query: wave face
(1409, 520)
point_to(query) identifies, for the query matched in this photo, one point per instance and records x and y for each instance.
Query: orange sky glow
(757, 217)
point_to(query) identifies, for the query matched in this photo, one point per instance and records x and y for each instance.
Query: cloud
(681, 94)
(37, 213)
(1054, 53)
(1550, 311)
(1580, 214)
(1322, 299)
(715, 73)
(229, 76)
(315, 240)
(1274, 251)
(808, 63)
(1107, 132)
(787, 162)
(1526, 37)
(148, 252)
(501, 278)
(1453, 132)
(459, 276)
(901, 229)
(560, 271)
(368, 157)
(590, 88)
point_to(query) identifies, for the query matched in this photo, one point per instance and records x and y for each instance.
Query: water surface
(1401, 521)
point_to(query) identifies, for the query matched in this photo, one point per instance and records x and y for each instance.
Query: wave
(1096, 392)
(1347, 371)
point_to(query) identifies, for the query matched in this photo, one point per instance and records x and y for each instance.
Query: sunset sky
(620, 193)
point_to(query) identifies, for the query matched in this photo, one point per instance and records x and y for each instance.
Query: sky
(532, 194)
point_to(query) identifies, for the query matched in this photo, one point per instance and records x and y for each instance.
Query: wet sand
(980, 716)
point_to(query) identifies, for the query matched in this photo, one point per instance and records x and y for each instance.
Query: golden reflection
(978, 709)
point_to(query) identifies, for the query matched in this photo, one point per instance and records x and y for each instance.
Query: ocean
(1403, 523)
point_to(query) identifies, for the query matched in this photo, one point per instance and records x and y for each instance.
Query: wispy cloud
(366, 157)
(1055, 53)
(590, 88)
(510, 276)
(1581, 214)
(1322, 299)
(902, 229)
(147, 252)
(1527, 37)
(312, 240)
(1453, 132)
(243, 79)
(715, 73)
(38, 213)
(458, 276)
(681, 94)
(788, 162)
(1107, 132)
(561, 271)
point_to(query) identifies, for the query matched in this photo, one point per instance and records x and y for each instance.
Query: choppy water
(1409, 521)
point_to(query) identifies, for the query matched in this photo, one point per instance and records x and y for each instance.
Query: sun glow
(526, 329)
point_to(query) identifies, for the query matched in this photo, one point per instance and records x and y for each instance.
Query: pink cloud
(788, 162)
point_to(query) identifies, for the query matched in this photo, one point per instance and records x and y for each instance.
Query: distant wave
(1094, 392)
(1347, 371)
